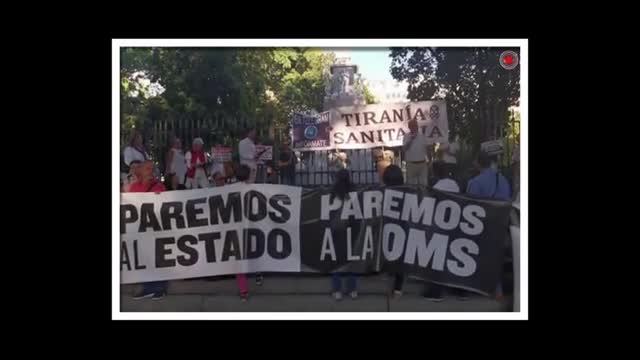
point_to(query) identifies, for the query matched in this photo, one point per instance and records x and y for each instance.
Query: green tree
(477, 89)
(368, 96)
(252, 84)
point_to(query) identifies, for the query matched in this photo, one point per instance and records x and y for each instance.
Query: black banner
(442, 237)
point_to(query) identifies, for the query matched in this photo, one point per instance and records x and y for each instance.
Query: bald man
(414, 146)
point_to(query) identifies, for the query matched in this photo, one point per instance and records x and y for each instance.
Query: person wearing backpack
(491, 185)
(146, 182)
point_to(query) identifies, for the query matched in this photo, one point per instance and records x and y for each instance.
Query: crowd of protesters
(196, 169)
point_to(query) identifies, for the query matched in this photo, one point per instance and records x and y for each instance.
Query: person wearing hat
(196, 166)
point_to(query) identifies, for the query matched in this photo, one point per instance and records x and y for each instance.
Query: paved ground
(301, 294)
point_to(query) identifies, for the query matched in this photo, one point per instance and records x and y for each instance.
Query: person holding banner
(146, 182)
(196, 166)
(341, 189)
(248, 156)
(489, 184)
(415, 146)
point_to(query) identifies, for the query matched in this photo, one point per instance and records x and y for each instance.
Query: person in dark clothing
(287, 165)
(341, 189)
(392, 176)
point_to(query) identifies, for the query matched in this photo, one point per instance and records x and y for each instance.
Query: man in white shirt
(248, 156)
(414, 146)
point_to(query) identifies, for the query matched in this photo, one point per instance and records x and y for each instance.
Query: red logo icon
(509, 60)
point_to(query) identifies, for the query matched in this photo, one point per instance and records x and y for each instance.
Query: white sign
(221, 154)
(369, 126)
(493, 147)
(267, 154)
(196, 233)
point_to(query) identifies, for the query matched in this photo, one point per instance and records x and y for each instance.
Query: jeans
(154, 286)
(336, 282)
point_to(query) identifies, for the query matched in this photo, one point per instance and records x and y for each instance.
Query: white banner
(266, 152)
(232, 229)
(368, 126)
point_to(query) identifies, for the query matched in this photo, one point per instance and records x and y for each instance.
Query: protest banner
(369, 126)
(266, 151)
(221, 154)
(446, 238)
(232, 229)
(311, 132)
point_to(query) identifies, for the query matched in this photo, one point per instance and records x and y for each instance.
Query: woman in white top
(135, 150)
(176, 163)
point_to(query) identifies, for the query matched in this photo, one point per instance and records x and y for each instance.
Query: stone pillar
(344, 87)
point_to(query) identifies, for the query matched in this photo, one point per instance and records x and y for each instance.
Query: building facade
(386, 91)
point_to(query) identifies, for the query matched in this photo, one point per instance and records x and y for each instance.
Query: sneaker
(159, 295)
(259, 280)
(397, 293)
(337, 295)
(354, 294)
(434, 294)
(142, 295)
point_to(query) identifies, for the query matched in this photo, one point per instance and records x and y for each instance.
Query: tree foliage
(368, 96)
(261, 85)
(477, 89)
